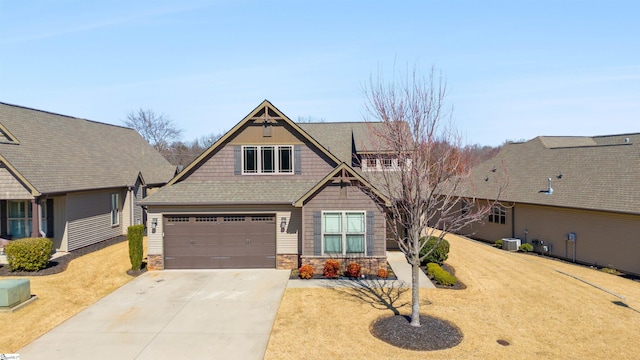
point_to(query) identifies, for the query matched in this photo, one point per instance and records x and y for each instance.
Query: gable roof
(55, 153)
(599, 173)
(348, 171)
(264, 110)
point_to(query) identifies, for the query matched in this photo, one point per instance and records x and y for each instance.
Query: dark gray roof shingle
(597, 177)
(58, 153)
(234, 191)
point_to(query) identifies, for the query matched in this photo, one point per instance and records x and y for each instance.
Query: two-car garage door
(219, 241)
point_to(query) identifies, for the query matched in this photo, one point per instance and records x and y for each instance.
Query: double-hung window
(272, 159)
(343, 232)
(115, 210)
(19, 218)
(498, 215)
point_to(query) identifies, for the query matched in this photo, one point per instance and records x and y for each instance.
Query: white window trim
(276, 162)
(498, 215)
(344, 233)
(115, 210)
(28, 221)
(379, 161)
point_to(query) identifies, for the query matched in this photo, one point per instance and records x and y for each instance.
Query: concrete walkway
(402, 269)
(176, 314)
(396, 260)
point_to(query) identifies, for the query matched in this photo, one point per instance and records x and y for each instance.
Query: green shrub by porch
(439, 255)
(30, 254)
(135, 234)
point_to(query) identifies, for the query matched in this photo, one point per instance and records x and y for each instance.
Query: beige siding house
(73, 180)
(270, 193)
(575, 198)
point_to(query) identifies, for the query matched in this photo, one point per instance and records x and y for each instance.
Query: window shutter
(3, 217)
(49, 206)
(370, 233)
(237, 160)
(317, 233)
(297, 159)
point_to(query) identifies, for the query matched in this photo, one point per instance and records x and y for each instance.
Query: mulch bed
(391, 276)
(433, 334)
(59, 265)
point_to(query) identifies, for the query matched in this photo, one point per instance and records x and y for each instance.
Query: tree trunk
(415, 294)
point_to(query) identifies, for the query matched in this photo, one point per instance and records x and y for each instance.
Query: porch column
(35, 218)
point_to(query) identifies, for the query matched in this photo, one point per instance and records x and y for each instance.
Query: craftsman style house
(270, 193)
(72, 180)
(576, 198)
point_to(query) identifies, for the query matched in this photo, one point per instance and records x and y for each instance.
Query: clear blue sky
(515, 69)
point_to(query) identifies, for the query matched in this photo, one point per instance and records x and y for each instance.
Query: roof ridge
(66, 116)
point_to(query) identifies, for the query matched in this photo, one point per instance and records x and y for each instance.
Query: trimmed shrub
(331, 268)
(353, 270)
(295, 273)
(439, 254)
(526, 247)
(135, 234)
(498, 244)
(306, 271)
(431, 267)
(441, 275)
(30, 254)
(383, 273)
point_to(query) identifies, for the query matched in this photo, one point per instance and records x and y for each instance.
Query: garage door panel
(220, 241)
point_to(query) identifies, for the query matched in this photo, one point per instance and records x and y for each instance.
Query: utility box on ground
(14, 292)
(511, 244)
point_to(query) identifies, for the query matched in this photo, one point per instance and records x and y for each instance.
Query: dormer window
(382, 163)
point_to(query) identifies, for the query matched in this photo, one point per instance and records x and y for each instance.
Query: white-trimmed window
(115, 210)
(19, 218)
(498, 215)
(383, 163)
(343, 232)
(272, 159)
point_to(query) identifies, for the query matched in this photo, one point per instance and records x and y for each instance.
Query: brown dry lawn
(60, 296)
(519, 298)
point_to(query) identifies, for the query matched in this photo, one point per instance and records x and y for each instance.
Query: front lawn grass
(60, 296)
(515, 306)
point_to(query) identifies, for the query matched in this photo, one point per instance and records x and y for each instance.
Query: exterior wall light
(283, 224)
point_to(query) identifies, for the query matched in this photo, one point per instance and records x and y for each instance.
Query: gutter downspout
(131, 201)
(513, 221)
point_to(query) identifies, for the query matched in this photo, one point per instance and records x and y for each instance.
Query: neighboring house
(270, 193)
(73, 180)
(576, 198)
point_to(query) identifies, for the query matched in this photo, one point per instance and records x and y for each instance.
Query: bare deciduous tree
(429, 165)
(158, 130)
(182, 153)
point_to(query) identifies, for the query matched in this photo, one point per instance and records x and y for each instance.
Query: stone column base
(154, 262)
(287, 261)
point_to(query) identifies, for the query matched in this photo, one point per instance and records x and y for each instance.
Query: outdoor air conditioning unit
(510, 244)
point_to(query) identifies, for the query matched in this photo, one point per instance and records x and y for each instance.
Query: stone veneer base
(369, 265)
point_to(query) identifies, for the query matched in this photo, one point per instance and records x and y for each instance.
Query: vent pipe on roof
(626, 140)
(550, 189)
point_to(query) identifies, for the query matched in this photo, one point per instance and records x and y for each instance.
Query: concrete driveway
(178, 314)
